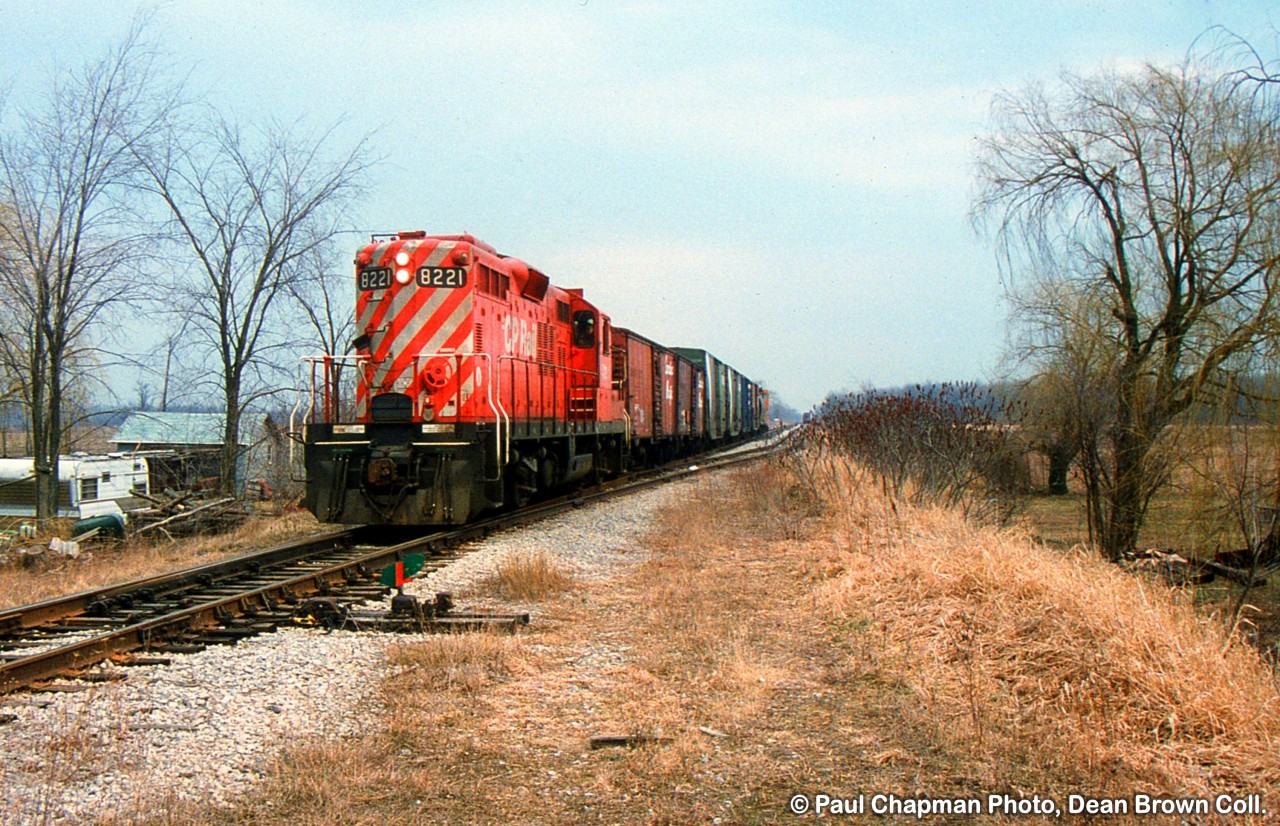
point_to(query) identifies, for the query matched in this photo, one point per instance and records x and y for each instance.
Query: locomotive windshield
(584, 329)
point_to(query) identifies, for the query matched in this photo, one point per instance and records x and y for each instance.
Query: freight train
(475, 383)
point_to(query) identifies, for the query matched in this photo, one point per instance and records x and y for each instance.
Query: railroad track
(224, 602)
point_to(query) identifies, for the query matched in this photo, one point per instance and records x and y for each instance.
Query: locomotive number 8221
(475, 383)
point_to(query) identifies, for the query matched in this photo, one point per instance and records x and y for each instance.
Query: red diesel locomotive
(479, 384)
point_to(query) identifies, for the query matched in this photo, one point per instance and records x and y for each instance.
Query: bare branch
(70, 243)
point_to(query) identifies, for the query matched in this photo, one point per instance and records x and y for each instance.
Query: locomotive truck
(476, 383)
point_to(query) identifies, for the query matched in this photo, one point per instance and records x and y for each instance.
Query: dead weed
(111, 563)
(527, 577)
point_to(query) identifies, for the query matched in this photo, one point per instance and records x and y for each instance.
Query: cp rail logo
(520, 337)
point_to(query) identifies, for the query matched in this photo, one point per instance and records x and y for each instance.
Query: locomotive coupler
(383, 472)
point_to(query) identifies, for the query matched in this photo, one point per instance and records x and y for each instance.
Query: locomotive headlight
(403, 276)
(402, 258)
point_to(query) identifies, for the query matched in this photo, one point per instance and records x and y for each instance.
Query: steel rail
(212, 613)
(52, 610)
(263, 601)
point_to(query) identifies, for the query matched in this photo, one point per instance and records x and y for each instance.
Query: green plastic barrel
(108, 524)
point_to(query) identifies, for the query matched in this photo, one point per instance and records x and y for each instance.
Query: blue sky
(786, 184)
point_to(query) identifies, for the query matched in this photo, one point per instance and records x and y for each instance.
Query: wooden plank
(602, 741)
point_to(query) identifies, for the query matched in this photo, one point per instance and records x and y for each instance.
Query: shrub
(949, 444)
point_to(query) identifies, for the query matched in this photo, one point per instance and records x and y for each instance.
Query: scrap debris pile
(171, 514)
(1239, 567)
(185, 514)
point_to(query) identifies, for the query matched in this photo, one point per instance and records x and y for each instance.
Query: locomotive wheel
(547, 473)
(522, 484)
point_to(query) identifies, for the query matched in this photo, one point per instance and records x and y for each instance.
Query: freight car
(476, 384)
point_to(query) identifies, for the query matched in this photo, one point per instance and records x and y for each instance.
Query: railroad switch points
(407, 614)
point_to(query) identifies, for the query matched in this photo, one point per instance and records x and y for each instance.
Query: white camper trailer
(87, 485)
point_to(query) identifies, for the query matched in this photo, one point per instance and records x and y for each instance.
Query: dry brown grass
(774, 650)
(463, 662)
(700, 645)
(527, 577)
(1196, 514)
(1057, 667)
(110, 563)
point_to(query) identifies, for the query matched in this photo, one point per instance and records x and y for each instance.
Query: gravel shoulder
(206, 728)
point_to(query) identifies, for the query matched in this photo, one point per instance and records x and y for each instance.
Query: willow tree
(1070, 399)
(1156, 193)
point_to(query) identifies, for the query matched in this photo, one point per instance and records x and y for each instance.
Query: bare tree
(249, 208)
(165, 369)
(1239, 467)
(1158, 194)
(71, 241)
(14, 386)
(171, 347)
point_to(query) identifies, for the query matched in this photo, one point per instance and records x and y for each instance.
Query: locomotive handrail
(553, 365)
(311, 406)
(328, 360)
(505, 458)
(557, 369)
(500, 414)
(493, 395)
(500, 417)
(293, 443)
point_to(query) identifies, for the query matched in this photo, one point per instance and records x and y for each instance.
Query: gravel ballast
(207, 726)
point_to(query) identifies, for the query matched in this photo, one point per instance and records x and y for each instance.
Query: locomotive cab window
(584, 329)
